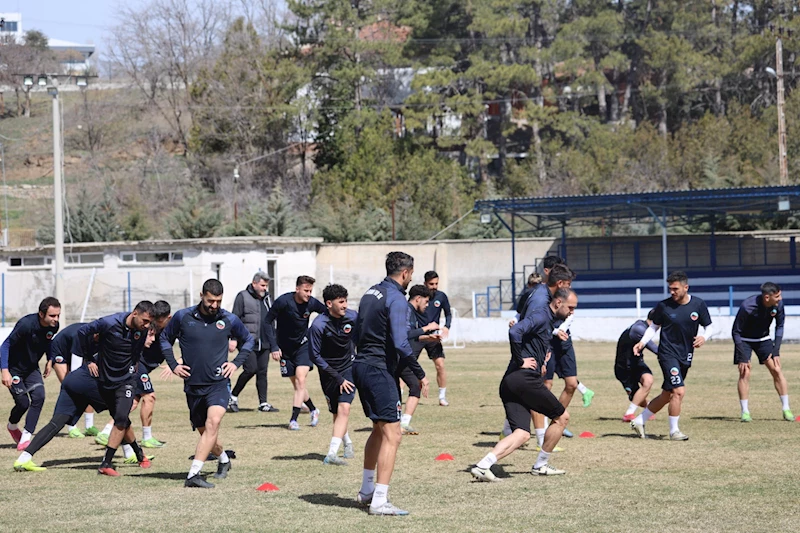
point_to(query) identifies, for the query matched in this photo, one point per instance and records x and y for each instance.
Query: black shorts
(78, 391)
(199, 399)
(118, 398)
(523, 391)
(631, 377)
(144, 383)
(300, 358)
(379, 391)
(435, 351)
(674, 373)
(743, 352)
(562, 360)
(408, 377)
(23, 384)
(330, 388)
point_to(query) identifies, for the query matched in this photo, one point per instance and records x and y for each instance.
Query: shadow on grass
(490, 433)
(306, 457)
(722, 418)
(174, 476)
(367, 429)
(485, 444)
(491, 405)
(94, 459)
(609, 419)
(8, 446)
(331, 500)
(259, 426)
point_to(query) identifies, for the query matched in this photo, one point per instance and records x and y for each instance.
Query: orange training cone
(586, 435)
(268, 487)
(444, 457)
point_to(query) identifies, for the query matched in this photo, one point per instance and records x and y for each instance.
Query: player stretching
(19, 359)
(202, 333)
(751, 332)
(120, 344)
(679, 318)
(332, 341)
(291, 311)
(418, 298)
(383, 341)
(631, 370)
(438, 304)
(522, 389)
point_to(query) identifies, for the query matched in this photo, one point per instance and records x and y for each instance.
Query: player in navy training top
(61, 356)
(382, 342)
(522, 388)
(332, 340)
(679, 318)
(203, 333)
(291, 311)
(631, 370)
(438, 304)
(418, 334)
(19, 359)
(119, 347)
(751, 332)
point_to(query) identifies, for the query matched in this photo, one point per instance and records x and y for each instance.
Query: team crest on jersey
(306, 314)
(674, 371)
(628, 389)
(49, 335)
(137, 335)
(220, 324)
(15, 380)
(437, 303)
(694, 315)
(145, 378)
(347, 328)
(59, 359)
(773, 311)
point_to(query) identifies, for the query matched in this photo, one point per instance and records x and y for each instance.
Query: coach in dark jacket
(251, 306)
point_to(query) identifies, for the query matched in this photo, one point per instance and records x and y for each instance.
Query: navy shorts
(300, 358)
(523, 391)
(78, 391)
(23, 384)
(674, 373)
(562, 360)
(435, 351)
(199, 399)
(631, 377)
(330, 388)
(144, 382)
(743, 352)
(118, 397)
(379, 391)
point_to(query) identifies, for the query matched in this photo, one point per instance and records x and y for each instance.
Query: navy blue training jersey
(153, 356)
(383, 328)
(679, 325)
(540, 297)
(118, 350)
(630, 337)
(522, 301)
(437, 304)
(754, 319)
(530, 337)
(203, 341)
(61, 349)
(332, 343)
(415, 320)
(29, 341)
(292, 319)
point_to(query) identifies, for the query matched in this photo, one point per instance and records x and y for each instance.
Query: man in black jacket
(252, 306)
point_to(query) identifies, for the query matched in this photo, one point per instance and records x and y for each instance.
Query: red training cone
(586, 435)
(797, 419)
(444, 457)
(268, 487)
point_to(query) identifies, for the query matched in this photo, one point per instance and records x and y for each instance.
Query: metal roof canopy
(678, 207)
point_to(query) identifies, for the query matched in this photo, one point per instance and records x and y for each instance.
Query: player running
(383, 341)
(332, 340)
(438, 304)
(679, 318)
(522, 389)
(20, 354)
(291, 311)
(630, 370)
(751, 332)
(202, 332)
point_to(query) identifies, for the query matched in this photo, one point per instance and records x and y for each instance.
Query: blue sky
(80, 21)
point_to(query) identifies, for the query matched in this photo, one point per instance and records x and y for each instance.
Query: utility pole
(57, 199)
(781, 118)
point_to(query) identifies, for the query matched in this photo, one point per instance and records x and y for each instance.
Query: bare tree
(162, 46)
